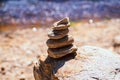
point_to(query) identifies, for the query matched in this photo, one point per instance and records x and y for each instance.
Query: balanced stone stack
(59, 42)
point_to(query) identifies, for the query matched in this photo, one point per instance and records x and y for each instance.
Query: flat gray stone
(52, 43)
(60, 52)
(58, 34)
(63, 21)
(62, 24)
(91, 63)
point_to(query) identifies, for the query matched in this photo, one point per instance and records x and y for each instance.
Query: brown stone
(58, 34)
(43, 71)
(63, 21)
(62, 24)
(117, 40)
(67, 40)
(60, 52)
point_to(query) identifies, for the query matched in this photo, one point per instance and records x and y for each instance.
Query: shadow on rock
(45, 70)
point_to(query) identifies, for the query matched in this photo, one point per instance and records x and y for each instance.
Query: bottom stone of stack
(60, 52)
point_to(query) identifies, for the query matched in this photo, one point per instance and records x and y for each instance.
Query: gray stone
(62, 24)
(63, 21)
(90, 63)
(58, 34)
(60, 52)
(117, 39)
(67, 40)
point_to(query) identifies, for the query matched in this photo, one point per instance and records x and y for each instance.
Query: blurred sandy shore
(19, 49)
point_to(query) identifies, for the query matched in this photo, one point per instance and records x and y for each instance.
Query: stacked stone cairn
(60, 43)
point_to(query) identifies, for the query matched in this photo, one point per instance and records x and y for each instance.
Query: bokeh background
(44, 11)
(24, 25)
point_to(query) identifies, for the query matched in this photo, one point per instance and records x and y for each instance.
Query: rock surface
(90, 63)
(117, 43)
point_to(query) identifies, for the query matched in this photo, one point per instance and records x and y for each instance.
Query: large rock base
(89, 63)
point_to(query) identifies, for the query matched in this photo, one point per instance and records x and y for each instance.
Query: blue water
(45, 11)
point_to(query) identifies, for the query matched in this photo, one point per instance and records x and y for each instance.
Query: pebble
(60, 52)
(58, 34)
(117, 39)
(67, 40)
(62, 24)
(63, 21)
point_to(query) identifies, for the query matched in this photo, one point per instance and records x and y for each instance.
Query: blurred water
(46, 11)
